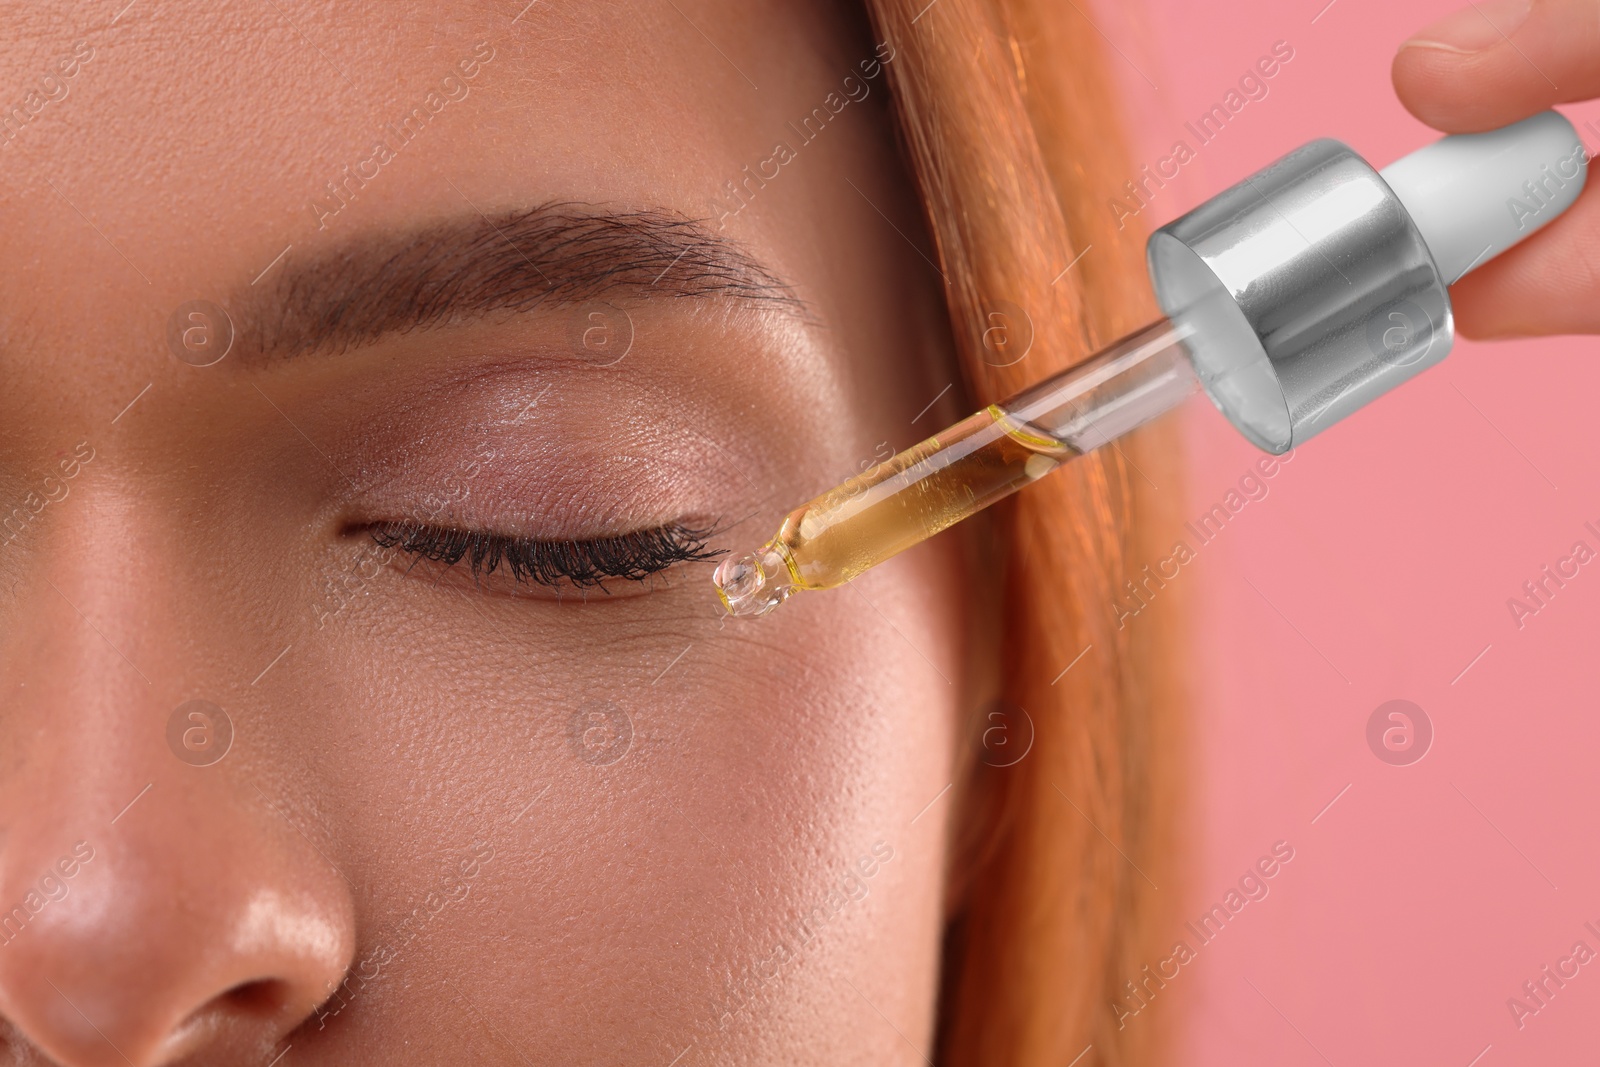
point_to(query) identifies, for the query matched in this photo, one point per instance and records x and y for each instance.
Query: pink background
(1378, 568)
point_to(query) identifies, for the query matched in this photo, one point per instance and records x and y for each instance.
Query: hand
(1486, 66)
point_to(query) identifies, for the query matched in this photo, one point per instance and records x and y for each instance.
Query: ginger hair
(1008, 124)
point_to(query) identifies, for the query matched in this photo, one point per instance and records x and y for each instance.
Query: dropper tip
(755, 584)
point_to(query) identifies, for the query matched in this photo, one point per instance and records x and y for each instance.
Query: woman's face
(459, 817)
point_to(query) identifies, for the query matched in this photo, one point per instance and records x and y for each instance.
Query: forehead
(151, 152)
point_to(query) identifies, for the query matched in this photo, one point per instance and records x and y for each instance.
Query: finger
(1497, 61)
(1548, 284)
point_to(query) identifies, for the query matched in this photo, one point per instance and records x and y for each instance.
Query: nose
(190, 926)
(151, 910)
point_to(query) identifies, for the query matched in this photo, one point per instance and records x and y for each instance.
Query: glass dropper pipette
(983, 458)
(1293, 298)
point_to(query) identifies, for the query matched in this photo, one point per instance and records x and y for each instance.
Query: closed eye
(585, 564)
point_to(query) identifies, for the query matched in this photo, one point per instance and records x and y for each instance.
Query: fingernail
(1473, 28)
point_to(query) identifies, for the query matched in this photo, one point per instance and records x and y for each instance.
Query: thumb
(1489, 65)
(1548, 284)
(1497, 61)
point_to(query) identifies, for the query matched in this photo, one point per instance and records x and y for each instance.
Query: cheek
(676, 803)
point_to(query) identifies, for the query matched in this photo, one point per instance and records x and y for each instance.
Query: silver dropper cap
(1311, 288)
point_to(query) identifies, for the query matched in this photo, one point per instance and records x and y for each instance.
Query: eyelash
(631, 557)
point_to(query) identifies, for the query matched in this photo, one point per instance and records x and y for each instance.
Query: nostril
(232, 1018)
(14, 1047)
(263, 999)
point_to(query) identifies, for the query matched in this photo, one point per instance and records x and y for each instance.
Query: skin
(408, 854)
(406, 811)
(1481, 68)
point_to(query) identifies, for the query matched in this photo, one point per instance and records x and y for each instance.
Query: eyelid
(538, 486)
(579, 564)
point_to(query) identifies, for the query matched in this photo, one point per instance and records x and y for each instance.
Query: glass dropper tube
(983, 458)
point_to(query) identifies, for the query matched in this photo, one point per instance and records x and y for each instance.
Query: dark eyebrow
(555, 254)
